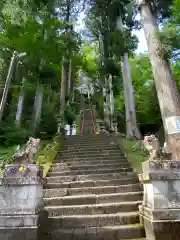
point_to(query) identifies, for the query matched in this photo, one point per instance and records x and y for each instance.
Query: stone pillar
(21, 202)
(160, 211)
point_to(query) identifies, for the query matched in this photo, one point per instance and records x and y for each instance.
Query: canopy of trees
(42, 92)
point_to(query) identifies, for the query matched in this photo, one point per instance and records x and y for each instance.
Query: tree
(167, 92)
(113, 44)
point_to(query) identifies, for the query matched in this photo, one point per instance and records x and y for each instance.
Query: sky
(142, 46)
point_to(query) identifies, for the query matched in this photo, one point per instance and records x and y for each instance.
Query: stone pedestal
(21, 202)
(160, 211)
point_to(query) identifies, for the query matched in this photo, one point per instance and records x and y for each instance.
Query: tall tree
(168, 95)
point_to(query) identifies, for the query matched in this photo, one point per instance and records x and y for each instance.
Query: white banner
(173, 124)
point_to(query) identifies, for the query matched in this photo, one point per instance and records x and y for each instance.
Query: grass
(48, 153)
(6, 156)
(135, 156)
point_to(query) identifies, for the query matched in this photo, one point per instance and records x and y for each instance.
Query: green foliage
(34, 27)
(47, 153)
(6, 155)
(10, 134)
(170, 34)
(135, 156)
(69, 115)
(48, 124)
(147, 106)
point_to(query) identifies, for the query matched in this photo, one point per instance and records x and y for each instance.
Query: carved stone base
(22, 214)
(24, 227)
(161, 229)
(20, 233)
(160, 211)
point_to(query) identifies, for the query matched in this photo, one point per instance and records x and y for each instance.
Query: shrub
(10, 134)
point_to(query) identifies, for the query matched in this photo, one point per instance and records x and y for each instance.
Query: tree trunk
(168, 95)
(37, 108)
(129, 132)
(69, 81)
(132, 130)
(62, 92)
(111, 102)
(20, 107)
(7, 85)
(104, 79)
(130, 92)
(72, 86)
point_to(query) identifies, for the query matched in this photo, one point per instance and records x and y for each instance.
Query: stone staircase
(92, 192)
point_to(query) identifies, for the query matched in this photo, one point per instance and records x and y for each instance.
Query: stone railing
(22, 213)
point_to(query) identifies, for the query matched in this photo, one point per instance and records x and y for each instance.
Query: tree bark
(102, 77)
(168, 95)
(72, 85)
(132, 130)
(37, 108)
(62, 91)
(7, 85)
(129, 132)
(130, 93)
(111, 102)
(104, 80)
(20, 107)
(69, 81)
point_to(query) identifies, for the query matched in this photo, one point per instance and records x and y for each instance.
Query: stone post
(21, 203)
(160, 210)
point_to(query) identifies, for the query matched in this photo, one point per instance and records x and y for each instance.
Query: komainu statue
(27, 154)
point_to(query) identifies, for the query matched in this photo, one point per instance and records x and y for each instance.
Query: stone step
(87, 158)
(86, 151)
(95, 171)
(57, 167)
(84, 221)
(91, 148)
(91, 138)
(105, 208)
(84, 162)
(93, 199)
(123, 232)
(102, 137)
(106, 176)
(90, 183)
(90, 155)
(61, 192)
(85, 144)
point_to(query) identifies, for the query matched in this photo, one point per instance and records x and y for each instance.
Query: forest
(44, 55)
